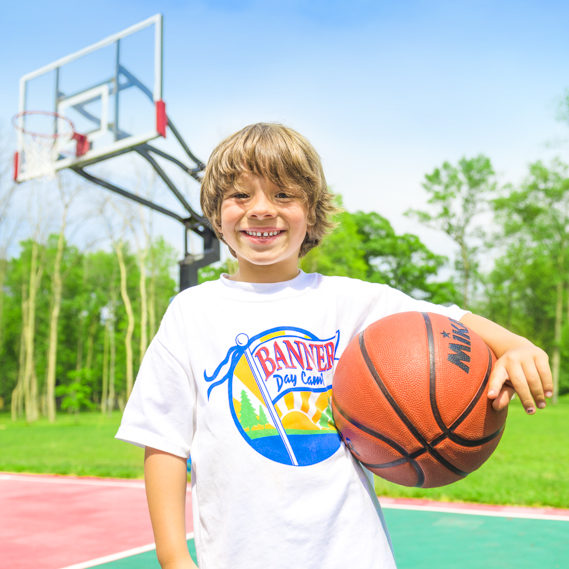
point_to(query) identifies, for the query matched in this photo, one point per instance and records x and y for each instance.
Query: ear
(310, 222)
(216, 223)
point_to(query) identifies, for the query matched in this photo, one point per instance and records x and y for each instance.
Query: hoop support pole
(125, 193)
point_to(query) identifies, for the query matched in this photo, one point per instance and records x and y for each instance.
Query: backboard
(111, 93)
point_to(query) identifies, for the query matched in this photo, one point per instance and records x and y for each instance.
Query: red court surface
(52, 522)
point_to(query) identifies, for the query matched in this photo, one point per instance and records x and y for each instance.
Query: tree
(57, 276)
(364, 245)
(458, 195)
(120, 251)
(341, 252)
(537, 215)
(213, 272)
(26, 392)
(401, 261)
(8, 225)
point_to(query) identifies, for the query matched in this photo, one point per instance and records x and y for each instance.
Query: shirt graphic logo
(280, 385)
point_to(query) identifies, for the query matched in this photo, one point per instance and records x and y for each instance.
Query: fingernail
(541, 405)
(549, 394)
(491, 393)
(530, 410)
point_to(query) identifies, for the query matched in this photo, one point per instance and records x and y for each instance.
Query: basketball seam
(409, 458)
(433, 375)
(406, 457)
(432, 451)
(478, 395)
(475, 442)
(449, 431)
(367, 430)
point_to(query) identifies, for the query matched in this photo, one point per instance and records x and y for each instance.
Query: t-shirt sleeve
(380, 300)
(161, 408)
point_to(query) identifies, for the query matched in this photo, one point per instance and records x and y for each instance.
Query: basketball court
(63, 522)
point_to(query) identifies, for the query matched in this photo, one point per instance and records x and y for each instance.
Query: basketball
(409, 397)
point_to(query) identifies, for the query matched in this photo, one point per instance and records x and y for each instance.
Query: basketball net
(40, 149)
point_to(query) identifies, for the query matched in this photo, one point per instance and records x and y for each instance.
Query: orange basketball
(409, 398)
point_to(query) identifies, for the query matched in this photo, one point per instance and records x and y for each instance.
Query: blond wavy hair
(279, 154)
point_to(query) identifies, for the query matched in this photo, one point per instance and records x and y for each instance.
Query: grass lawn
(530, 465)
(82, 445)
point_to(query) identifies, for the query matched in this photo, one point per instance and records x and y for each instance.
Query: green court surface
(146, 560)
(424, 539)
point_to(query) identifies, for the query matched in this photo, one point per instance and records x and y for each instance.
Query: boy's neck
(264, 273)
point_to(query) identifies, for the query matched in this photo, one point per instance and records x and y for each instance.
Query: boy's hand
(525, 370)
(521, 367)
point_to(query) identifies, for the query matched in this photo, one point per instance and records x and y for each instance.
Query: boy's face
(265, 226)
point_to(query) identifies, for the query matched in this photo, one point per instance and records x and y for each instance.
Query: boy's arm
(520, 365)
(165, 478)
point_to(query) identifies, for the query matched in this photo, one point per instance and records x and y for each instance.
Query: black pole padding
(190, 264)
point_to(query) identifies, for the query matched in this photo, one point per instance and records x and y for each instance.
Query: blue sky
(386, 91)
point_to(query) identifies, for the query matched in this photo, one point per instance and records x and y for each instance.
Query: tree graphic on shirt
(326, 420)
(248, 418)
(262, 417)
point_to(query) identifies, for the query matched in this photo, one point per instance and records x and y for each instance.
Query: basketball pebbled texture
(409, 398)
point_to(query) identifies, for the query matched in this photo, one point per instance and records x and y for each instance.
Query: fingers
(542, 366)
(504, 398)
(497, 379)
(529, 376)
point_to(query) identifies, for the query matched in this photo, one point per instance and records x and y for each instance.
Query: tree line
(75, 321)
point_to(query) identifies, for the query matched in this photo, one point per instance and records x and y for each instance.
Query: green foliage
(341, 252)
(402, 261)
(457, 196)
(75, 396)
(90, 299)
(519, 291)
(529, 285)
(530, 252)
(365, 246)
(213, 272)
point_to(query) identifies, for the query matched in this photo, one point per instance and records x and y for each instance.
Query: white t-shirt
(240, 375)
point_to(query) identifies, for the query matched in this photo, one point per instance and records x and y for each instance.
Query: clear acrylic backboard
(110, 92)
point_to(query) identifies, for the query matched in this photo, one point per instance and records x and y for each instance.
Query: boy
(240, 373)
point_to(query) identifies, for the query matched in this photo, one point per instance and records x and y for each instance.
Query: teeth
(262, 233)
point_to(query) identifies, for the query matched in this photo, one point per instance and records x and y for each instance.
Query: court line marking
(64, 479)
(473, 509)
(498, 512)
(117, 556)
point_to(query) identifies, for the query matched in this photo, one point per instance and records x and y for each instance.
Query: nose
(261, 206)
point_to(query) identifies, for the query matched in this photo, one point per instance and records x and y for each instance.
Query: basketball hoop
(44, 137)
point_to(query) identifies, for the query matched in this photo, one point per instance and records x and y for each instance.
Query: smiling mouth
(271, 233)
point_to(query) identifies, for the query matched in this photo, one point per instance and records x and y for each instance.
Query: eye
(239, 195)
(286, 195)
